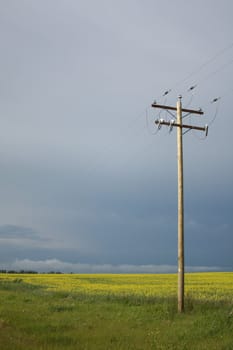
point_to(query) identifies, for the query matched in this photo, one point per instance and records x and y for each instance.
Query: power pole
(180, 126)
(180, 208)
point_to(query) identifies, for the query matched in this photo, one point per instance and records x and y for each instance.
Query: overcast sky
(86, 183)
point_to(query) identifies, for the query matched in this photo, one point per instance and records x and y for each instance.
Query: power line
(202, 66)
(210, 75)
(191, 89)
(199, 69)
(166, 93)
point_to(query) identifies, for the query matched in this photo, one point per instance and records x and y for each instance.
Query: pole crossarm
(155, 105)
(163, 122)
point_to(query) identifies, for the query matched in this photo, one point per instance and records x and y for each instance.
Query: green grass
(32, 317)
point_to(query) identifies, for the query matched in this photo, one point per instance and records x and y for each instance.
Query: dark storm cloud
(19, 232)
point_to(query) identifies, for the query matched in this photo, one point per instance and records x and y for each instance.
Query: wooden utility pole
(179, 124)
(180, 208)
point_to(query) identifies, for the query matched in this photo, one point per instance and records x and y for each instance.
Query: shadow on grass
(18, 284)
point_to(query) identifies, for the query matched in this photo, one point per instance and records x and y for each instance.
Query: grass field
(115, 312)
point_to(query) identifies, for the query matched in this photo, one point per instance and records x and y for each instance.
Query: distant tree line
(28, 272)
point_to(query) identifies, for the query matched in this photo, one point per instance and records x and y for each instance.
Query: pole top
(180, 97)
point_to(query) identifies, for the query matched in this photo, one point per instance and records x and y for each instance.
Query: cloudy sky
(86, 183)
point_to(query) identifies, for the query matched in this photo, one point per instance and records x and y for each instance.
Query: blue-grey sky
(85, 183)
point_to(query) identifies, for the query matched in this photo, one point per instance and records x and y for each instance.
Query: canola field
(115, 311)
(202, 286)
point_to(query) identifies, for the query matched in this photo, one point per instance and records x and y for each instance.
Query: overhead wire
(192, 89)
(227, 93)
(215, 116)
(207, 77)
(164, 97)
(196, 71)
(148, 127)
(203, 65)
(200, 68)
(210, 75)
(190, 101)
